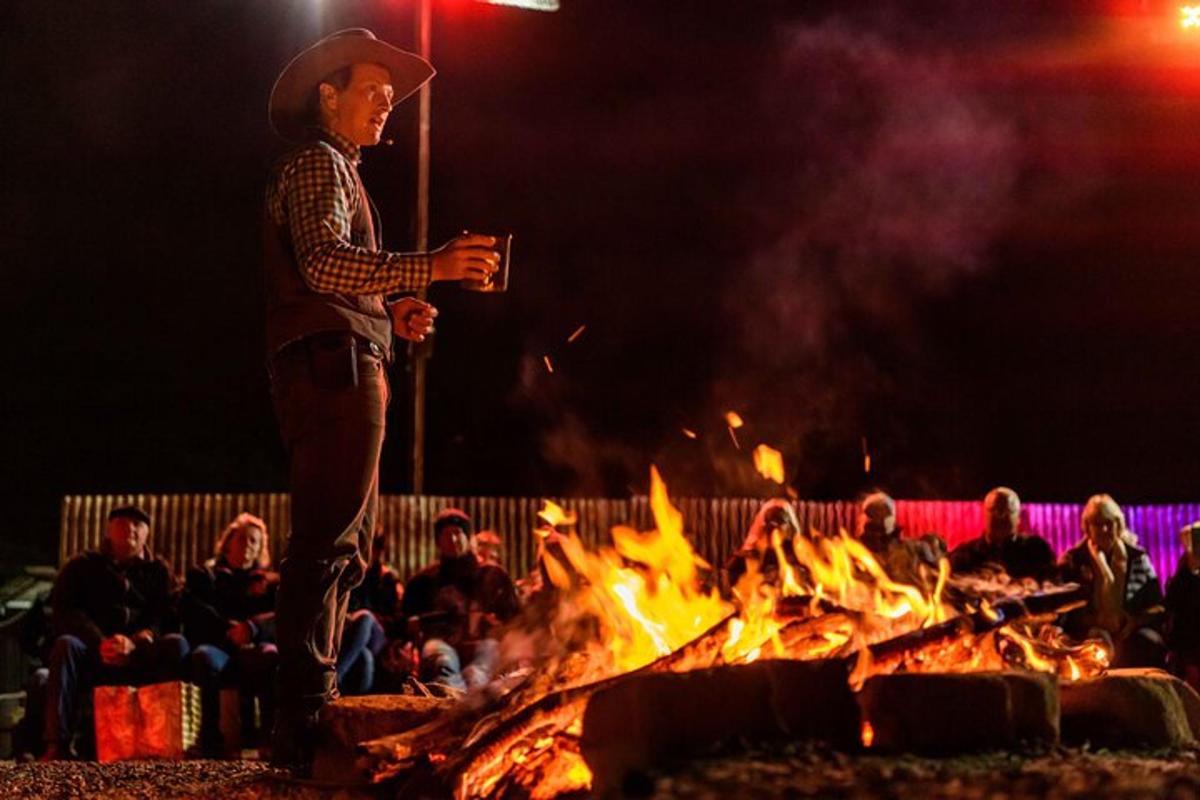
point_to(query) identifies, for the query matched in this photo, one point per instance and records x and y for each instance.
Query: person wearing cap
(329, 340)
(114, 618)
(1003, 544)
(455, 605)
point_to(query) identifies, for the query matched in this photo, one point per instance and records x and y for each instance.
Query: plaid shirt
(315, 193)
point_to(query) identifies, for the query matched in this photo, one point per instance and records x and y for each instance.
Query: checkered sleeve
(315, 195)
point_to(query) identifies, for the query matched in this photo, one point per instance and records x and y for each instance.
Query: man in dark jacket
(455, 604)
(113, 615)
(1002, 544)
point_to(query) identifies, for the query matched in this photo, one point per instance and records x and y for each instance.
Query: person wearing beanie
(455, 605)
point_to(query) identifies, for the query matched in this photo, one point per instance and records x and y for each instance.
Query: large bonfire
(650, 603)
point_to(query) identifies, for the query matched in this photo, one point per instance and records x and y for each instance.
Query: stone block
(350, 720)
(942, 713)
(658, 719)
(1131, 708)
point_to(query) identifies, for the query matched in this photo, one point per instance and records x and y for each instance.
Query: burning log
(557, 711)
(386, 756)
(1041, 604)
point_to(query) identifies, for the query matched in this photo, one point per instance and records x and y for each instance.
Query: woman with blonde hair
(229, 617)
(1125, 600)
(244, 543)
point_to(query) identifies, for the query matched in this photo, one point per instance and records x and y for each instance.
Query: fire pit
(642, 663)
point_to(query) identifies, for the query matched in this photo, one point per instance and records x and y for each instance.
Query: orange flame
(769, 463)
(554, 515)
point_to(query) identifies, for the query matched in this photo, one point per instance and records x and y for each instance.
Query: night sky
(965, 231)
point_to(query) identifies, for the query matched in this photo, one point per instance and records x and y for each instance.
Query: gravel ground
(778, 773)
(1057, 775)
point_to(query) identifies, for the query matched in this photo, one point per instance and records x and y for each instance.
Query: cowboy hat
(291, 96)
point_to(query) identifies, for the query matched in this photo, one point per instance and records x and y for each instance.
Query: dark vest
(295, 311)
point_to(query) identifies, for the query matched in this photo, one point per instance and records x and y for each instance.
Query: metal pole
(420, 353)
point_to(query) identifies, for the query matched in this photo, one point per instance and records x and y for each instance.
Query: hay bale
(1131, 708)
(937, 713)
(660, 718)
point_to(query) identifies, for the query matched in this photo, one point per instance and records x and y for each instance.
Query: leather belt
(331, 340)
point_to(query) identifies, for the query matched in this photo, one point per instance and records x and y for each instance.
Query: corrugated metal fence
(186, 526)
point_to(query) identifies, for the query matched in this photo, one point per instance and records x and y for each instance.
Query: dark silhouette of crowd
(119, 616)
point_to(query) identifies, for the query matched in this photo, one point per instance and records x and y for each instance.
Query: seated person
(876, 527)
(912, 561)
(112, 613)
(489, 548)
(381, 589)
(373, 618)
(455, 604)
(229, 618)
(774, 516)
(1002, 544)
(1125, 601)
(1183, 610)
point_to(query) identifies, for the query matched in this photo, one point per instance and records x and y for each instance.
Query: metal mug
(498, 281)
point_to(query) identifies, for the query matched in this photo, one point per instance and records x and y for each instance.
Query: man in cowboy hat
(329, 338)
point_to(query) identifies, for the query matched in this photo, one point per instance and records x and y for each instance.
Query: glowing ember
(688, 433)
(868, 734)
(732, 423)
(769, 463)
(549, 366)
(578, 332)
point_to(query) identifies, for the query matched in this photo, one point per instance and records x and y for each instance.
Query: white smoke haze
(895, 176)
(901, 178)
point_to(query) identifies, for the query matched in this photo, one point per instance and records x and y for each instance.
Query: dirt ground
(776, 773)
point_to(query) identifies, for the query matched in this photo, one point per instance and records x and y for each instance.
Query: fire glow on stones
(1189, 16)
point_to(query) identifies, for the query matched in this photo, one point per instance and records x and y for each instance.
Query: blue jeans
(441, 663)
(75, 668)
(249, 669)
(362, 640)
